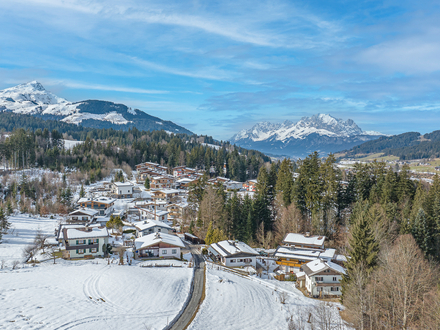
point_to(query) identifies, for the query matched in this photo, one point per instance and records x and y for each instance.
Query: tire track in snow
(98, 318)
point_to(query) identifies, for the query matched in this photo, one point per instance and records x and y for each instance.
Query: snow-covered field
(233, 302)
(22, 233)
(87, 295)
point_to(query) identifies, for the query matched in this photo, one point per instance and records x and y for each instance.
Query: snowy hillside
(318, 132)
(233, 302)
(33, 99)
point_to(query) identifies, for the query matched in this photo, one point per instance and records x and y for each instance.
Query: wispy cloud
(81, 85)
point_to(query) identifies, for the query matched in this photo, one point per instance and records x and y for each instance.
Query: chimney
(307, 234)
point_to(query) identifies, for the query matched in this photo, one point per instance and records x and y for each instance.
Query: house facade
(84, 242)
(82, 216)
(102, 204)
(322, 278)
(122, 189)
(147, 227)
(159, 245)
(233, 254)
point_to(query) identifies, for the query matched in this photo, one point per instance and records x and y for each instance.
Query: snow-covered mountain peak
(321, 124)
(28, 98)
(321, 132)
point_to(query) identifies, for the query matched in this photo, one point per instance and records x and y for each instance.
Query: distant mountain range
(406, 146)
(33, 99)
(321, 132)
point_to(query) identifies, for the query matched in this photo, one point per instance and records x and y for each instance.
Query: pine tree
(284, 182)
(363, 248)
(82, 193)
(4, 224)
(261, 203)
(147, 183)
(422, 233)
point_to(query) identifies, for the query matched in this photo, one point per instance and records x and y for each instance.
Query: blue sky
(218, 67)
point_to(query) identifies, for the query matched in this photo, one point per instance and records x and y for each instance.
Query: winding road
(199, 279)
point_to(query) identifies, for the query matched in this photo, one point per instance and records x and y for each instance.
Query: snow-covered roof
(318, 265)
(305, 254)
(73, 233)
(142, 225)
(103, 200)
(300, 274)
(87, 211)
(154, 238)
(167, 191)
(158, 213)
(300, 239)
(229, 248)
(123, 184)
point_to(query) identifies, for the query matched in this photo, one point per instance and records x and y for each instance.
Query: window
(84, 218)
(164, 251)
(319, 278)
(80, 242)
(336, 288)
(93, 250)
(335, 279)
(174, 251)
(80, 251)
(232, 261)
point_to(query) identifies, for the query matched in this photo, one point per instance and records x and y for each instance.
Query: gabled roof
(303, 253)
(317, 266)
(154, 238)
(300, 239)
(74, 233)
(142, 225)
(103, 200)
(86, 211)
(229, 248)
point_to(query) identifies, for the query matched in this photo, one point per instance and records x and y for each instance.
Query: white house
(83, 242)
(122, 189)
(157, 215)
(84, 216)
(233, 253)
(158, 245)
(147, 227)
(322, 278)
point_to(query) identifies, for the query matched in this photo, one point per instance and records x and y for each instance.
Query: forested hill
(411, 145)
(35, 141)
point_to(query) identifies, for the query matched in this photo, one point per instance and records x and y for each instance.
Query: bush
(205, 251)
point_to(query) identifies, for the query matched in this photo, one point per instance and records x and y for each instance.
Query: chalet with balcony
(102, 204)
(82, 216)
(84, 241)
(299, 249)
(161, 182)
(321, 278)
